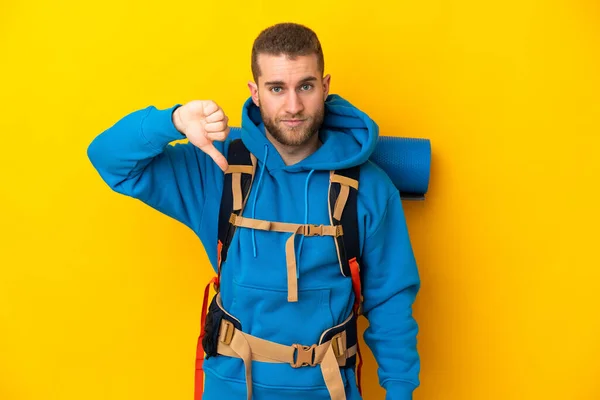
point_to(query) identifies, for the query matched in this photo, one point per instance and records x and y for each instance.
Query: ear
(254, 93)
(326, 82)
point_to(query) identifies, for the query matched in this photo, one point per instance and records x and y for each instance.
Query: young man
(283, 324)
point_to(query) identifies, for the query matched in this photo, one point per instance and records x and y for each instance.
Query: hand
(203, 122)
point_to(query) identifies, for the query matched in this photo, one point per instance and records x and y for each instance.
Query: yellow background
(100, 295)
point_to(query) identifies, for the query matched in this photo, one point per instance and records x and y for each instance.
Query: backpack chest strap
(290, 252)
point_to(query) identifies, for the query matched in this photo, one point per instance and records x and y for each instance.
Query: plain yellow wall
(100, 295)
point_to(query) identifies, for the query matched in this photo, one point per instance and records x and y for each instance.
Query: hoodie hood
(348, 135)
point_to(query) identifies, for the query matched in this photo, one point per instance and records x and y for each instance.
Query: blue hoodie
(135, 157)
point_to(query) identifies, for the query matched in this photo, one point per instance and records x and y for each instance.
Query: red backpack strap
(199, 375)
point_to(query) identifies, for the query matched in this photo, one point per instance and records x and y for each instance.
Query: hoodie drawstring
(260, 176)
(262, 170)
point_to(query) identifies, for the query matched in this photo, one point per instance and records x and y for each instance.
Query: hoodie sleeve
(390, 285)
(135, 158)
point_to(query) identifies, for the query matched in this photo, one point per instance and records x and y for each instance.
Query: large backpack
(343, 193)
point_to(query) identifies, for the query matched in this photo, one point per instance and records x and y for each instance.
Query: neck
(294, 154)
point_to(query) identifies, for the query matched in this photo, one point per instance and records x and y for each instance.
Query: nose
(293, 104)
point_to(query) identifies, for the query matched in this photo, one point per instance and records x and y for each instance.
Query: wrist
(176, 119)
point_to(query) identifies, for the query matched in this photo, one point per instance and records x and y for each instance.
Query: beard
(293, 135)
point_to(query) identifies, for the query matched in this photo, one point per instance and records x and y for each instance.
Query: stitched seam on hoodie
(383, 217)
(394, 380)
(142, 131)
(134, 170)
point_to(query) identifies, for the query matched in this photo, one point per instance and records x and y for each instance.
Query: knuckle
(218, 135)
(210, 107)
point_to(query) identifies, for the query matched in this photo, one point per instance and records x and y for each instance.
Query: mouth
(293, 122)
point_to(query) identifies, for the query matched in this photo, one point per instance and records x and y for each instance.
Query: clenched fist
(203, 122)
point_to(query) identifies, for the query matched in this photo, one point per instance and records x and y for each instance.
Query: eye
(306, 87)
(276, 89)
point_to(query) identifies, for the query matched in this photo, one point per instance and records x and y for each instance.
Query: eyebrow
(282, 83)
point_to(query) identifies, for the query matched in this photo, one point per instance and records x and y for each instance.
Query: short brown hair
(289, 39)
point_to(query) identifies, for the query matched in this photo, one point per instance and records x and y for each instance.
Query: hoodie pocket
(266, 314)
(222, 388)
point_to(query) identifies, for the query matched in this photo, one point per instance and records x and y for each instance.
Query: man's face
(290, 94)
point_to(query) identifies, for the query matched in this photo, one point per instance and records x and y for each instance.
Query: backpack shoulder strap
(236, 187)
(343, 210)
(343, 195)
